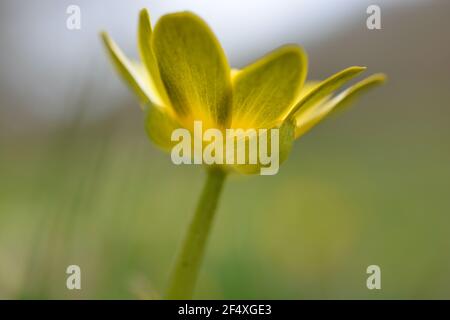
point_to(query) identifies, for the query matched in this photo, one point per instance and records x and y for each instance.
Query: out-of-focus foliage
(370, 187)
(349, 197)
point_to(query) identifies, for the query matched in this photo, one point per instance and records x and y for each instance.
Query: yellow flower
(184, 76)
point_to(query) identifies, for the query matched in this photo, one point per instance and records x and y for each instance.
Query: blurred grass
(349, 196)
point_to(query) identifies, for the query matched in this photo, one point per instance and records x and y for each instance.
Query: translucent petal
(193, 68)
(325, 88)
(306, 120)
(264, 91)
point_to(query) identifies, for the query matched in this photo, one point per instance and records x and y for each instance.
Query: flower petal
(193, 68)
(342, 100)
(286, 138)
(308, 119)
(159, 125)
(264, 91)
(325, 88)
(132, 75)
(148, 57)
(308, 86)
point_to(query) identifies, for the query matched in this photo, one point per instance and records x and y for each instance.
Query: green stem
(184, 274)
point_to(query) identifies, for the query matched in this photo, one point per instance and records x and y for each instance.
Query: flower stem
(187, 264)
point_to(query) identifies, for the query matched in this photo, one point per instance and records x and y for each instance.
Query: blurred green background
(81, 184)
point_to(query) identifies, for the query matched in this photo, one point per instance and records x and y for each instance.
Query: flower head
(184, 76)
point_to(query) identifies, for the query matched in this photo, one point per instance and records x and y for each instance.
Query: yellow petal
(159, 125)
(347, 97)
(286, 138)
(308, 86)
(234, 73)
(193, 68)
(129, 73)
(264, 91)
(325, 88)
(148, 58)
(306, 120)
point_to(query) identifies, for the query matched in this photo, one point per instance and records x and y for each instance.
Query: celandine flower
(184, 77)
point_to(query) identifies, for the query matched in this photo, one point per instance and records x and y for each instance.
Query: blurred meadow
(81, 184)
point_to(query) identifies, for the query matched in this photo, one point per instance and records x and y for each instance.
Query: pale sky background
(41, 57)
